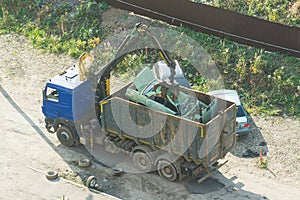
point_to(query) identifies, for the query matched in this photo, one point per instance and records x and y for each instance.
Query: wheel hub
(65, 137)
(93, 183)
(143, 161)
(167, 170)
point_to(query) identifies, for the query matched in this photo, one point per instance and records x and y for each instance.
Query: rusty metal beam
(219, 22)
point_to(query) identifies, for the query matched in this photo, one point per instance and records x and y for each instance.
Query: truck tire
(167, 170)
(117, 171)
(51, 175)
(65, 136)
(142, 161)
(91, 182)
(84, 162)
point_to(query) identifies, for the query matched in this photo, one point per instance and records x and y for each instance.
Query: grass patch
(55, 26)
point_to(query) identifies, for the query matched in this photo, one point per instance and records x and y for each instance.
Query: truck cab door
(51, 108)
(57, 102)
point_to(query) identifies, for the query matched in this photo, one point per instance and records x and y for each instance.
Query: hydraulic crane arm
(127, 46)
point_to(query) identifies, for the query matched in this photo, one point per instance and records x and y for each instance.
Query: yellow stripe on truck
(107, 81)
(101, 105)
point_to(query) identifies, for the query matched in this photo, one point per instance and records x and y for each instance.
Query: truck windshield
(52, 94)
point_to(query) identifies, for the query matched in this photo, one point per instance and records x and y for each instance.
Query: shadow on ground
(250, 144)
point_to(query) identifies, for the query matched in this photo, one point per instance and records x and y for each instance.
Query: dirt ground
(26, 143)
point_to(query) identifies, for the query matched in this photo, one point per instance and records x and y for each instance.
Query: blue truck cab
(65, 100)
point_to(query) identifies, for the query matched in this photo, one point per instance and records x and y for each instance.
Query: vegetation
(280, 11)
(270, 82)
(56, 26)
(262, 164)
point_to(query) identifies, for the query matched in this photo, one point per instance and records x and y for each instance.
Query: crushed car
(242, 119)
(152, 88)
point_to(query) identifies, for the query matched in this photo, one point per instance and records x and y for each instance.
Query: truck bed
(200, 143)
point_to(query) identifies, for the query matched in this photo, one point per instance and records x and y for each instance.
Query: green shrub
(269, 81)
(55, 26)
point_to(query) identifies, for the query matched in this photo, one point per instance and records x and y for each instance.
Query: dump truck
(184, 133)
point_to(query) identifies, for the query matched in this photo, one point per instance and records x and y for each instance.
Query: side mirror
(242, 96)
(44, 94)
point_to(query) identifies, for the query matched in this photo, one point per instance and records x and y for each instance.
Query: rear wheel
(167, 170)
(142, 161)
(65, 136)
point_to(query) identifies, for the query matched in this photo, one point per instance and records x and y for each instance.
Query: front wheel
(65, 136)
(167, 170)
